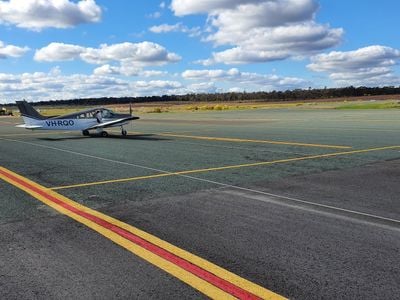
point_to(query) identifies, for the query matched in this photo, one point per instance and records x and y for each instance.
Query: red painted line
(184, 264)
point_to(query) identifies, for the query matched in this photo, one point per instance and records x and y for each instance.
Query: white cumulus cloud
(261, 30)
(178, 27)
(38, 14)
(372, 65)
(189, 7)
(211, 74)
(153, 73)
(245, 80)
(115, 70)
(107, 69)
(11, 50)
(58, 52)
(139, 54)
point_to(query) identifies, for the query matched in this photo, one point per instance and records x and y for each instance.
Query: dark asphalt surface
(297, 249)
(57, 258)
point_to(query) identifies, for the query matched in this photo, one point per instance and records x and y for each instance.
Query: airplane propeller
(130, 112)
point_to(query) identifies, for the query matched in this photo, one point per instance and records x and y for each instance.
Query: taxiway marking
(204, 276)
(182, 173)
(237, 140)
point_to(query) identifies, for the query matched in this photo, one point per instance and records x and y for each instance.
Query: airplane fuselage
(64, 124)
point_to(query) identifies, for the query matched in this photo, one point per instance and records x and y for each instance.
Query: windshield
(106, 113)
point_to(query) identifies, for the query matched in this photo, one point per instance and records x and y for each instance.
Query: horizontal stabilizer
(29, 126)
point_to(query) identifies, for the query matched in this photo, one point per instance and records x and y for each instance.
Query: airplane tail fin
(27, 110)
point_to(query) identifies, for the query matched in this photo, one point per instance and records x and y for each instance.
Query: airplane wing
(29, 126)
(112, 123)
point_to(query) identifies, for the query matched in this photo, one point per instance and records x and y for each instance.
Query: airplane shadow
(139, 137)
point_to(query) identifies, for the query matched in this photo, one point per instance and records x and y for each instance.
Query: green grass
(204, 107)
(370, 105)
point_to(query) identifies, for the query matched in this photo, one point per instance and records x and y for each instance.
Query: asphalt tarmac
(303, 203)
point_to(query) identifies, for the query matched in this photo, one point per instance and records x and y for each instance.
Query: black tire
(85, 132)
(104, 134)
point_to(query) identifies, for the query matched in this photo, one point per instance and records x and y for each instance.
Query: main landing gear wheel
(104, 134)
(85, 132)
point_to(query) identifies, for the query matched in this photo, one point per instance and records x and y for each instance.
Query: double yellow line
(202, 275)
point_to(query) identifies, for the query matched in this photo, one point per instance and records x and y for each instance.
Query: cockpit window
(83, 116)
(106, 113)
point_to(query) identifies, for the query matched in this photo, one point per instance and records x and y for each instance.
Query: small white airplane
(85, 120)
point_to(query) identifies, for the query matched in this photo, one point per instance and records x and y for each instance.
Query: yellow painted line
(236, 140)
(112, 181)
(322, 129)
(377, 120)
(357, 129)
(43, 194)
(195, 121)
(263, 163)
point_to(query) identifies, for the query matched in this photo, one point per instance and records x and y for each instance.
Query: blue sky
(62, 49)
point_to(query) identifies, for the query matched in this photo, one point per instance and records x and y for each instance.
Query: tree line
(288, 95)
